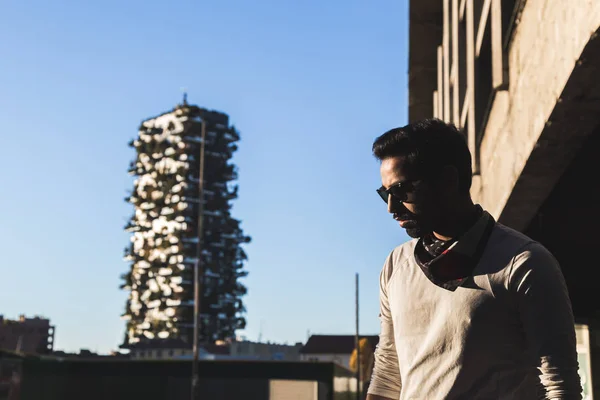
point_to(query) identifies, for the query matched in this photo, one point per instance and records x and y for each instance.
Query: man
(470, 309)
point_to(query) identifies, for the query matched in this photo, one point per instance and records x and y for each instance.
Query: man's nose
(392, 204)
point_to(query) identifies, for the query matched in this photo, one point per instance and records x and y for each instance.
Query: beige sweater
(506, 333)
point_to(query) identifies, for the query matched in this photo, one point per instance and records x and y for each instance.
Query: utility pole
(357, 340)
(198, 266)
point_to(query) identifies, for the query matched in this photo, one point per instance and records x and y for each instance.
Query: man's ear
(449, 178)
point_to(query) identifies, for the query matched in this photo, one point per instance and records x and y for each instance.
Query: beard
(414, 226)
(414, 229)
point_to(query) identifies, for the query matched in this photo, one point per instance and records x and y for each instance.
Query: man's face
(418, 209)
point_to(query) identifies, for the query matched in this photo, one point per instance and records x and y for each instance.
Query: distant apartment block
(165, 233)
(176, 350)
(265, 351)
(221, 350)
(26, 335)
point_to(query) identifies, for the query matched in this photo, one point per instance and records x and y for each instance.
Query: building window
(483, 72)
(510, 9)
(474, 36)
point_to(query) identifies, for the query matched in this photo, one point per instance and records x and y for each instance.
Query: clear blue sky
(309, 84)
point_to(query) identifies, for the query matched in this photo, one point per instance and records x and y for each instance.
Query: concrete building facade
(26, 335)
(520, 79)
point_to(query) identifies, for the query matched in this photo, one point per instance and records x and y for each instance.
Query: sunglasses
(401, 191)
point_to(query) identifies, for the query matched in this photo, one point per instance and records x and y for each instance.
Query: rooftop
(334, 344)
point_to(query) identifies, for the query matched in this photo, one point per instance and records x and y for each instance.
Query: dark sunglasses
(401, 191)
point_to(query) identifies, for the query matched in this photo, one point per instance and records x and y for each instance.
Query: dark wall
(107, 387)
(54, 379)
(567, 224)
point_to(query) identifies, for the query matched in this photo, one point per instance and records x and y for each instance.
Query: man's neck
(459, 221)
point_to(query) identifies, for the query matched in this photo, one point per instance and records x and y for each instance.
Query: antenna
(184, 90)
(260, 332)
(19, 344)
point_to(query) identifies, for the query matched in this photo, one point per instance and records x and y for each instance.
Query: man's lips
(405, 221)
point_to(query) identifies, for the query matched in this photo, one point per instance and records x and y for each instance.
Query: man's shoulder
(513, 243)
(526, 259)
(403, 252)
(401, 255)
(503, 236)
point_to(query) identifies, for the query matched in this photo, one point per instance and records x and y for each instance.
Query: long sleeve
(547, 319)
(385, 380)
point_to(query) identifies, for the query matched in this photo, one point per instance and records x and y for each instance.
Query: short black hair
(428, 145)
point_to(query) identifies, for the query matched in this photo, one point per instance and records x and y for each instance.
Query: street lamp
(198, 266)
(357, 341)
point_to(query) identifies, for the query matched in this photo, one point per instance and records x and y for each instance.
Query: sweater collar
(457, 262)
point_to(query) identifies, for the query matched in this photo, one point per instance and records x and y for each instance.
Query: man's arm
(385, 380)
(547, 318)
(375, 397)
